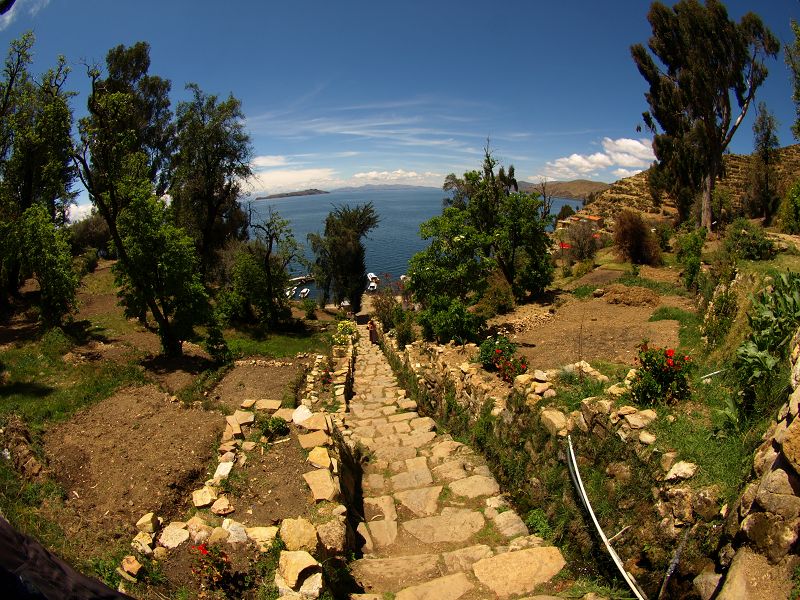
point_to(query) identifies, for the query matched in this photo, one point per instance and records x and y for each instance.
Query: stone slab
(519, 572)
(452, 525)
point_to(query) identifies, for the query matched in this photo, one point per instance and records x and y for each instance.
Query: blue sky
(356, 92)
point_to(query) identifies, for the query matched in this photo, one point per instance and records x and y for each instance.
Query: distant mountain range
(384, 187)
(574, 190)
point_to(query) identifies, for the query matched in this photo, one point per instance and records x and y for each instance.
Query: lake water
(394, 241)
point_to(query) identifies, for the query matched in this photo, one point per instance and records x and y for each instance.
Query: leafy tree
(35, 156)
(489, 223)
(454, 263)
(706, 58)
(48, 258)
(792, 57)
(212, 159)
(565, 212)
(125, 142)
(160, 271)
(273, 251)
(764, 197)
(340, 256)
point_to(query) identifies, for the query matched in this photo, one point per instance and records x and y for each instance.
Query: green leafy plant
(662, 376)
(344, 331)
(537, 523)
(746, 240)
(448, 319)
(789, 211)
(689, 247)
(274, 427)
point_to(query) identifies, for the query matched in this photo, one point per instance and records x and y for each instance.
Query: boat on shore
(305, 292)
(290, 292)
(372, 287)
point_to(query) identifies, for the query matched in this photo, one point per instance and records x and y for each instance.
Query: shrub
(584, 241)
(498, 354)
(498, 299)
(272, 427)
(634, 240)
(720, 313)
(385, 305)
(662, 376)
(404, 329)
(746, 240)
(722, 207)
(87, 262)
(309, 306)
(689, 249)
(664, 232)
(448, 319)
(789, 211)
(216, 346)
(91, 232)
(344, 330)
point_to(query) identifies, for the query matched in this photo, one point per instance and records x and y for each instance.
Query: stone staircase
(435, 524)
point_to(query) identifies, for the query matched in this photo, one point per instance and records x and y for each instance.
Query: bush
(720, 313)
(272, 427)
(87, 262)
(385, 306)
(216, 346)
(722, 207)
(344, 330)
(746, 240)
(662, 376)
(689, 249)
(584, 241)
(634, 240)
(498, 299)
(448, 319)
(309, 306)
(498, 354)
(664, 232)
(789, 211)
(404, 329)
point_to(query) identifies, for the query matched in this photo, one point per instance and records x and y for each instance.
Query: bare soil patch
(133, 453)
(593, 329)
(249, 379)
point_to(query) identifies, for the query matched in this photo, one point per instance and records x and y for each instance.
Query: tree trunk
(708, 191)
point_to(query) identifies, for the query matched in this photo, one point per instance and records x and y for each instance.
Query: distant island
(311, 192)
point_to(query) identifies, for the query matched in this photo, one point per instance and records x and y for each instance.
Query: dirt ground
(130, 454)
(595, 329)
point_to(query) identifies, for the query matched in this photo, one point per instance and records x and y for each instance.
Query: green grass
(722, 459)
(571, 389)
(689, 337)
(661, 287)
(41, 387)
(584, 291)
(275, 345)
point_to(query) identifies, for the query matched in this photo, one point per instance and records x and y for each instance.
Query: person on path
(373, 332)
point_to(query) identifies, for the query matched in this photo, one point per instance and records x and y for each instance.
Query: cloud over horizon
(629, 156)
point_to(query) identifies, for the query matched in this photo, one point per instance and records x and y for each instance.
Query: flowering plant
(213, 566)
(498, 354)
(662, 376)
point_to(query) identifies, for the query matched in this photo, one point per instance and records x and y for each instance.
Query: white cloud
(268, 161)
(622, 173)
(399, 176)
(78, 212)
(628, 155)
(291, 180)
(626, 152)
(33, 6)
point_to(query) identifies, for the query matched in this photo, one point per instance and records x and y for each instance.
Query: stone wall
(767, 516)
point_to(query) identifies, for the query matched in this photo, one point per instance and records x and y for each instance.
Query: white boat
(290, 292)
(372, 277)
(305, 292)
(345, 303)
(372, 287)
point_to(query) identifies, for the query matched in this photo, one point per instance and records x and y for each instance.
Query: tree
(35, 158)
(124, 145)
(340, 255)
(274, 250)
(792, 57)
(764, 197)
(706, 58)
(48, 258)
(212, 159)
(489, 223)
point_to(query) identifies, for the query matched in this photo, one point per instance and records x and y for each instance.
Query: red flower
(670, 353)
(686, 358)
(670, 362)
(497, 351)
(201, 548)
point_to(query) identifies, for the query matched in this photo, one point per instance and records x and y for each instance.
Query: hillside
(574, 190)
(311, 192)
(634, 191)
